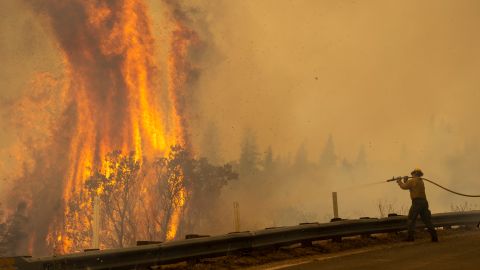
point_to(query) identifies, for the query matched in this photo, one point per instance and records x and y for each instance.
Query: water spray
(432, 182)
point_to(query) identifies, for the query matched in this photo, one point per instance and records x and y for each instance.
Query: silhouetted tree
(13, 232)
(249, 156)
(210, 144)
(328, 158)
(361, 161)
(301, 160)
(268, 162)
(346, 165)
(203, 189)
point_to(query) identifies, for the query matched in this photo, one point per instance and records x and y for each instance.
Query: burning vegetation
(112, 127)
(105, 113)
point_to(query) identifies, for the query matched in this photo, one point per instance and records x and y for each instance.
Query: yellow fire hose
(438, 185)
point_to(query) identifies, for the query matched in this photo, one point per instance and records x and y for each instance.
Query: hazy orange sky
(368, 72)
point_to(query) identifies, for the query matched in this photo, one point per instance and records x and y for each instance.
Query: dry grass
(465, 206)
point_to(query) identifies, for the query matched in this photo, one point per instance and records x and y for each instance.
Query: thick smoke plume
(120, 89)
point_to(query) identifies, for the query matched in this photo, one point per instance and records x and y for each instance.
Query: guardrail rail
(153, 254)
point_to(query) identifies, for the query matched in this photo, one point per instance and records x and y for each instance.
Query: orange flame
(122, 96)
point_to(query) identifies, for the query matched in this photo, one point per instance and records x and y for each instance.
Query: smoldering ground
(396, 79)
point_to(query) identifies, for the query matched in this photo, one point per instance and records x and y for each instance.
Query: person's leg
(412, 218)
(426, 216)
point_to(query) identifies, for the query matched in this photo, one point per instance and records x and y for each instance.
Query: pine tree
(268, 163)
(301, 160)
(210, 144)
(361, 161)
(328, 158)
(249, 155)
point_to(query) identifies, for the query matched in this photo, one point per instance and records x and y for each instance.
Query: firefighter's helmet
(417, 171)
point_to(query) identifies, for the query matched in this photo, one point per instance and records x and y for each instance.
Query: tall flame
(123, 96)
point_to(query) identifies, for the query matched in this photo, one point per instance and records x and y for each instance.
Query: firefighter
(419, 204)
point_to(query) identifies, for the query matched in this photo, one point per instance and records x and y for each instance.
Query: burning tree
(172, 172)
(146, 200)
(116, 92)
(182, 181)
(117, 186)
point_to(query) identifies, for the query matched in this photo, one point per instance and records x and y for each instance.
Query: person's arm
(405, 184)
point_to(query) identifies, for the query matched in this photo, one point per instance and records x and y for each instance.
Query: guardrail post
(236, 216)
(336, 239)
(193, 261)
(335, 204)
(366, 235)
(335, 215)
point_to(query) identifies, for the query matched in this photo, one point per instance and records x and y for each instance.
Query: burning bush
(143, 199)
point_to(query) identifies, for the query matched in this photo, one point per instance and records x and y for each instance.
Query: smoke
(393, 84)
(396, 79)
(115, 92)
(326, 68)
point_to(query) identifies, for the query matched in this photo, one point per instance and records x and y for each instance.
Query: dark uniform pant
(420, 207)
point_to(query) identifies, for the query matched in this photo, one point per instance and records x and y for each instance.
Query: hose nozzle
(399, 178)
(394, 179)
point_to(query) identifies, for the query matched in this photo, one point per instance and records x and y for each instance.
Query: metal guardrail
(196, 248)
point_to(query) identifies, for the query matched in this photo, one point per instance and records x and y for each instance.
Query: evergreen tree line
(253, 161)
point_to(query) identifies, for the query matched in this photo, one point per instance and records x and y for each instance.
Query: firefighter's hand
(405, 179)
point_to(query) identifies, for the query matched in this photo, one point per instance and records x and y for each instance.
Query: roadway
(460, 251)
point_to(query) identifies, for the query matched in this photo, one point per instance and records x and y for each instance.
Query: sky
(374, 73)
(396, 77)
